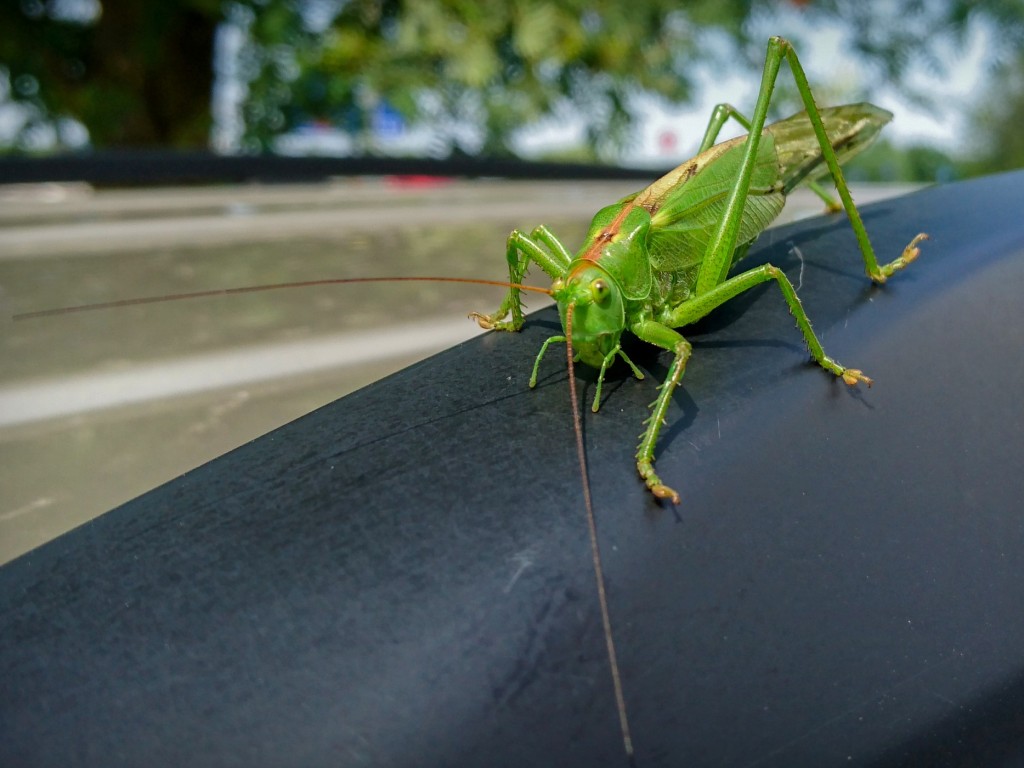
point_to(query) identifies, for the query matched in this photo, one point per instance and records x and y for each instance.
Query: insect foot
(653, 482)
(909, 255)
(911, 252)
(852, 375)
(664, 492)
(491, 322)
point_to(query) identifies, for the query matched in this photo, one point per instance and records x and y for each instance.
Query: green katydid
(659, 259)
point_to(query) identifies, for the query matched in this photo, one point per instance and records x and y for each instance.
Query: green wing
(687, 204)
(850, 129)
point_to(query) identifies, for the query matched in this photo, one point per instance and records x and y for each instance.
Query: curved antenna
(269, 287)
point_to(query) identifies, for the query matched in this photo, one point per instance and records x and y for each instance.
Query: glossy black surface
(403, 577)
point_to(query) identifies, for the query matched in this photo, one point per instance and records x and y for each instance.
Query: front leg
(545, 250)
(667, 338)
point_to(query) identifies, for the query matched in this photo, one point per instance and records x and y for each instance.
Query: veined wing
(850, 129)
(687, 203)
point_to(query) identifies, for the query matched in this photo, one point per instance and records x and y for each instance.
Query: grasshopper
(659, 259)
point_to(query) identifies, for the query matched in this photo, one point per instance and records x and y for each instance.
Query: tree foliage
(135, 73)
(141, 73)
(885, 163)
(997, 119)
(493, 64)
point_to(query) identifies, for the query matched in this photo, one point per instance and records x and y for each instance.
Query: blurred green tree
(886, 163)
(136, 74)
(996, 120)
(140, 73)
(499, 65)
(494, 64)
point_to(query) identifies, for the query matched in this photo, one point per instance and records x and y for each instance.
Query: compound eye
(600, 289)
(558, 285)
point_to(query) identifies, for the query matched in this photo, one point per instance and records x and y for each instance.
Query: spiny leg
(608, 360)
(831, 204)
(878, 274)
(520, 249)
(662, 334)
(696, 308)
(721, 113)
(667, 338)
(722, 244)
(561, 253)
(719, 251)
(540, 356)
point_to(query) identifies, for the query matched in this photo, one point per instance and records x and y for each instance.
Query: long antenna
(595, 549)
(269, 287)
(613, 662)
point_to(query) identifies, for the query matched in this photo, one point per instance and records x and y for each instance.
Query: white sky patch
(668, 135)
(955, 92)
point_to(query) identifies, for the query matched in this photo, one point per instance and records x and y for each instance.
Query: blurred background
(103, 102)
(593, 80)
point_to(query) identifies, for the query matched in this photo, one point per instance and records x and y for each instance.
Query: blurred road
(97, 408)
